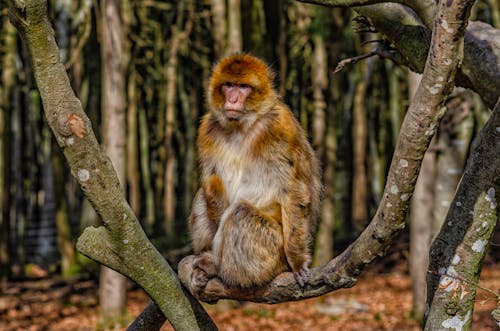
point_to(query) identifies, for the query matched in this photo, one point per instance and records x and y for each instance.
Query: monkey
(256, 210)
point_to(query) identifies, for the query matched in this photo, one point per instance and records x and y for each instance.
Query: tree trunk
(134, 189)
(235, 37)
(420, 232)
(219, 26)
(7, 81)
(359, 185)
(64, 239)
(180, 34)
(421, 220)
(112, 291)
(455, 134)
(324, 143)
(146, 171)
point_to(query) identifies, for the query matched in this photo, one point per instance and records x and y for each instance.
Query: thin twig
(384, 53)
(353, 60)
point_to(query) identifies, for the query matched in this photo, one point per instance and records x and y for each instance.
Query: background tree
(115, 57)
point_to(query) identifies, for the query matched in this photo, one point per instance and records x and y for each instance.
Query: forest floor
(377, 302)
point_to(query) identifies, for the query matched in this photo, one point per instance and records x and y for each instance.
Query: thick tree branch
(420, 124)
(480, 70)
(458, 251)
(409, 32)
(121, 243)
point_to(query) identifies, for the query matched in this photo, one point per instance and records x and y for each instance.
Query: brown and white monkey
(256, 210)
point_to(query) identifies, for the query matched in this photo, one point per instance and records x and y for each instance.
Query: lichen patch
(83, 175)
(394, 189)
(456, 323)
(490, 197)
(446, 27)
(479, 245)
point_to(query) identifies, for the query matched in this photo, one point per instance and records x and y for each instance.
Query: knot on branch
(69, 122)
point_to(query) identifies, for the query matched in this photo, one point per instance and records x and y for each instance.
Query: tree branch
(121, 243)
(419, 125)
(408, 30)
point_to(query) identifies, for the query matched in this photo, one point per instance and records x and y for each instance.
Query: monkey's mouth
(234, 114)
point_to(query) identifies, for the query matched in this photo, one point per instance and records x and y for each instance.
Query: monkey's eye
(228, 84)
(245, 86)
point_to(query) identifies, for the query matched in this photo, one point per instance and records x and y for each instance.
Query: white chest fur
(247, 178)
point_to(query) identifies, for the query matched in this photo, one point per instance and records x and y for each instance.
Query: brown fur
(256, 210)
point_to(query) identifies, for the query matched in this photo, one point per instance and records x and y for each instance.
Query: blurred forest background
(352, 118)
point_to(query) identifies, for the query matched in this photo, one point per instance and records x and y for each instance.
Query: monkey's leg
(248, 246)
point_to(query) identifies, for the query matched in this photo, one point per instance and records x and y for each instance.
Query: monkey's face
(240, 89)
(236, 96)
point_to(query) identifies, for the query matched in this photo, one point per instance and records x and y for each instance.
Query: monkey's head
(240, 89)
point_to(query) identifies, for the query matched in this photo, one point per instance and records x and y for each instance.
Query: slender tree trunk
(359, 185)
(190, 110)
(180, 34)
(455, 133)
(395, 106)
(420, 232)
(324, 144)
(282, 47)
(7, 82)
(64, 238)
(112, 291)
(219, 26)
(145, 170)
(256, 29)
(169, 201)
(133, 179)
(235, 36)
(17, 212)
(421, 219)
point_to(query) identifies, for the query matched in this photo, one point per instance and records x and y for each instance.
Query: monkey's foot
(195, 271)
(302, 275)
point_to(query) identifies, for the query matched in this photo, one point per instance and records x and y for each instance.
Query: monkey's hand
(302, 275)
